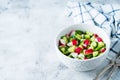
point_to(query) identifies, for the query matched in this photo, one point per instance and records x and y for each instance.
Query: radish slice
(78, 50)
(62, 41)
(95, 35)
(103, 50)
(87, 42)
(72, 33)
(89, 51)
(98, 39)
(74, 42)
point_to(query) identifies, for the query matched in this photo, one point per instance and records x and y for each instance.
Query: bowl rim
(83, 59)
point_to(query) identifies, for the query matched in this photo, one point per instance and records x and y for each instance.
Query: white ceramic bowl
(83, 65)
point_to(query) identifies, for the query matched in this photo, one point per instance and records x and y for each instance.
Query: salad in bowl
(82, 47)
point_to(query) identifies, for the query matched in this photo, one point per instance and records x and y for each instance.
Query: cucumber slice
(94, 44)
(74, 55)
(82, 40)
(78, 42)
(62, 49)
(71, 49)
(82, 35)
(98, 48)
(92, 38)
(81, 56)
(95, 54)
(91, 47)
(89, 33)
(81, 46)
(65, 39)
(70, 56)
(78, 32)
(67, 52)
(81, 43)
(78, 36)
(101, 44)
(71, 38)
(89, 56)
(87, 36)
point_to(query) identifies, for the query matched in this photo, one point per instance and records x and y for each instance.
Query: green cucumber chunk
(78, 32)
(89, 56)
(74, 55)
(95, 53)
(70, 56)
(71, 38)
(81, 56)
(64, 50)
(71, 49)
(89, 33)
(92, 38)
(65, 39)
(94, 44)
(98, 48)
(78, 36)
(101, 44)
(87, 36)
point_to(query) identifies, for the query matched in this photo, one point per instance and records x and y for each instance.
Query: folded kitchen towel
(105, 16)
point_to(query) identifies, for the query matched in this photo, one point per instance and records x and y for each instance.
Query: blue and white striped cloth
(106, 17)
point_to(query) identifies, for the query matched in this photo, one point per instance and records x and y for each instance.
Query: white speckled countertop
(27, 33)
